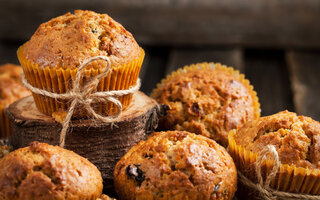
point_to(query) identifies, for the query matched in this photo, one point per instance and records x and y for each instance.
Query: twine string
(263, 187)
(86, 95)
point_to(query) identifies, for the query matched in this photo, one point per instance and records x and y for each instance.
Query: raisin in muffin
(208, 99)
(295, 139)
(42, 171)
(176, 165)
(51, 58)
(11, 89)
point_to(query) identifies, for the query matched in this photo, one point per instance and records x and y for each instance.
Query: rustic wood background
(275, 43)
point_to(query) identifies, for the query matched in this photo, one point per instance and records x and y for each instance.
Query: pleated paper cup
(5, 124)
(289, 178)
(59, 80)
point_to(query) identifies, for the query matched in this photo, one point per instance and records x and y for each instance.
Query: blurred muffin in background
(11, 89)
(208, 99)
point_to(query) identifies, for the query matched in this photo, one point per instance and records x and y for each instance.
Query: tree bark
(101, 143)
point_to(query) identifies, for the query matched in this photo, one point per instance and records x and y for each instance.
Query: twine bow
(86, 95)
(263, 187)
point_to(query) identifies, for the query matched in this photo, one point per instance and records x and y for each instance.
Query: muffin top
(296, 138)
(207, 99)
(176, 165)
(66, 41)
(42, 171)
(11, 88)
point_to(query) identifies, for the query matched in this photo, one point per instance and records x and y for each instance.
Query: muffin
(41, 171)
(11, 89)
(208, 99)
(296, 140)
(51, 58)
(176, 165)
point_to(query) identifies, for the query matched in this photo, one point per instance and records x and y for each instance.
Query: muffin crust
(176, 165)
(207, 101)
(68, 40)
(296, 138)
(42, 171)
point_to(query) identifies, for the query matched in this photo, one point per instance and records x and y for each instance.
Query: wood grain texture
(103, 144)
(267, 72)
(187, 22)
(304, 70)
(180, 57)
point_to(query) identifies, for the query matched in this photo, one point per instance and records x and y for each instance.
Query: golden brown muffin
(207, 99)
(176, 165)
(68, 40)
(11, 89)
(296, 138)
(42, 171)
(51, 58)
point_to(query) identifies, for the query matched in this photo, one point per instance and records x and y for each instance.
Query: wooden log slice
(102, 143)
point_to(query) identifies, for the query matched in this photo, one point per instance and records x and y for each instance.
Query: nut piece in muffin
(208, 99)
(176, 165)
(11, 89)
(296, 138)
(4, 149)
(51, 58)
(105, 197)
(42, 171)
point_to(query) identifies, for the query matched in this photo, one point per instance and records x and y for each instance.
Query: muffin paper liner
(206, 65)
(59, 80)
(5, 124)
(289, 178)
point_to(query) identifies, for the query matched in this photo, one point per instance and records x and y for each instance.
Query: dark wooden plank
(305, 69)
(268, 73)
(154, 66)
(228, 22)
(180, 57)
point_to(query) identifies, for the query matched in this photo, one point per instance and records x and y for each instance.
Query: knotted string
(263, 187)
(85, 96)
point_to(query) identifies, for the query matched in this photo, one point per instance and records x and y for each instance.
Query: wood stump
(101, 143)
